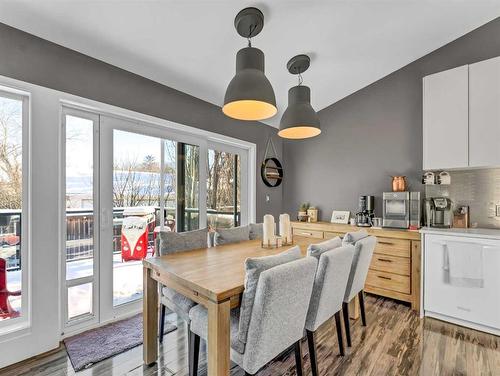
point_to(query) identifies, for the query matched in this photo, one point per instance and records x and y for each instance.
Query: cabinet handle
(386, 243)
(305, 233)
(384, 260)
(382, 277)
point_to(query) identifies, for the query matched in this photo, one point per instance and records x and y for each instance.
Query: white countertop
(469, 232)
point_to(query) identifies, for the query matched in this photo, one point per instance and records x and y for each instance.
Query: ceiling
(191, 45)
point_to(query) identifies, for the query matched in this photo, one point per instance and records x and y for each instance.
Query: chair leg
(312, 352)
(345, 311)
(298, 359)
(161, 327)
(361, 296)
(194, 353)
(338, 325)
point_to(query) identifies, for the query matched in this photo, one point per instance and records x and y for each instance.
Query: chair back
(231, 235)
(330, 283)
(279, 311)
(363, 252)
(173, 242)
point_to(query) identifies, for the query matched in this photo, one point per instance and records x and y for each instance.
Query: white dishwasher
(462, 280)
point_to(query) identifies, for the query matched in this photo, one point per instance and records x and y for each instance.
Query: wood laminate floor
(395, 342)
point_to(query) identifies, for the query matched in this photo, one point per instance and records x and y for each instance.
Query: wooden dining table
(213, 277)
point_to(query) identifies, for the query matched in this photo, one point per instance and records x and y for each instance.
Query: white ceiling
(191, 45)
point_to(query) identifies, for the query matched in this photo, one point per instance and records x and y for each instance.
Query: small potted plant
(302, 215)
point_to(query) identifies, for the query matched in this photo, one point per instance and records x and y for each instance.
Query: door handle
(105, 219)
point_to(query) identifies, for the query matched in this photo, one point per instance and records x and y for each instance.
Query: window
(13, 211)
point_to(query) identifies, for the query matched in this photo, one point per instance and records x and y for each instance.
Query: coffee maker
(366, 211)
(438, 212)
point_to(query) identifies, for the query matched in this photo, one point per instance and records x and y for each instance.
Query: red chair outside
(6, 311)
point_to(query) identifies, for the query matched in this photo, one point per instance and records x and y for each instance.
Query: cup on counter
(377, 222)
(353, 221)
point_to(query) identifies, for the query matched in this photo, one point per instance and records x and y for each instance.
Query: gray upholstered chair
(273, 312)
(330, 283)
(231, 235)
(252, 231)
(172, 242)
(364, 246)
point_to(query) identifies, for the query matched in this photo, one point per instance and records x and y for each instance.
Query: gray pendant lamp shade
(249, 95)
(299, 120)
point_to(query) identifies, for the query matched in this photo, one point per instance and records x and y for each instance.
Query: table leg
(150, 317)
(354, 308)
(219, 338)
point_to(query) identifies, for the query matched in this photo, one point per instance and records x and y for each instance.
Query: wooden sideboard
(395, 268)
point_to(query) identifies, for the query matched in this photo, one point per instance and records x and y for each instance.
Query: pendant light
(299, 120)
(249, 95)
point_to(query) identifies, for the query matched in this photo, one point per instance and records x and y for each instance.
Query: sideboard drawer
(389, 281)
(391, 264)
(393, 247)
(331, 234)
(308, 233)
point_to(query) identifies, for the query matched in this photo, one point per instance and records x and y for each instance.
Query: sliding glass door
(124, 182)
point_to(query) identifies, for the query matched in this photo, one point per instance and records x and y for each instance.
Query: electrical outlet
(497, 210)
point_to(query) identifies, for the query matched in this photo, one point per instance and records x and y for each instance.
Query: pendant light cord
(300, 79)
(250, 34)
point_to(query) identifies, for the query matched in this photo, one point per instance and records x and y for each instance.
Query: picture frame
(339, 216)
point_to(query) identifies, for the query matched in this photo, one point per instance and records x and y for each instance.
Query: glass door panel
(188, 184)
(13, 275)
(170, 184)
(80, 254)
(223, 189)
(136, 203)
(79, 197)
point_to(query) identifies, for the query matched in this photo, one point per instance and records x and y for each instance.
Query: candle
(268, 229)
(285, 228)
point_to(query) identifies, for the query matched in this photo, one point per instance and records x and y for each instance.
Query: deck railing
(80, 230)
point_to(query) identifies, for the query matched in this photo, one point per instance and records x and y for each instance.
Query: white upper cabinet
(445, 119)
(484, 113)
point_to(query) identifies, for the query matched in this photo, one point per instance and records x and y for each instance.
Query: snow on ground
(127, 284)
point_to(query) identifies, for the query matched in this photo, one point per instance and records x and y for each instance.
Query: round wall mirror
(271, 172)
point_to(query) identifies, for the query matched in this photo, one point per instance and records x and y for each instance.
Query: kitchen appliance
(461, 300)
(366, 211)
(399, 184)
(401, 210)
(438, 212)
(415, 211)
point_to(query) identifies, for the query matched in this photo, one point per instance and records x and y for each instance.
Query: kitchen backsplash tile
(479, 189)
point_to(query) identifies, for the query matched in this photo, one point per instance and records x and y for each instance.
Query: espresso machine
(438, 212)
(366, 211)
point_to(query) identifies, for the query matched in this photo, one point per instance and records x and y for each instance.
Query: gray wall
(38, 61)
(374, 133)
